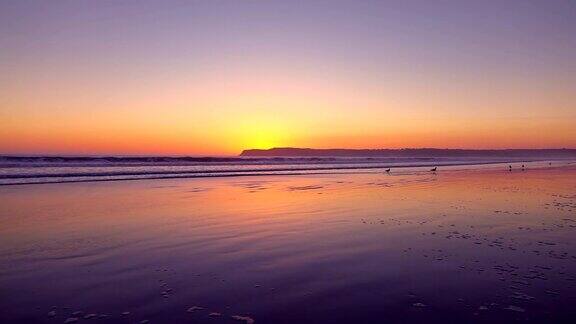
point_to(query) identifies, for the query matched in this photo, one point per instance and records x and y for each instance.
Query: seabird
(387, 170)
(434, 169)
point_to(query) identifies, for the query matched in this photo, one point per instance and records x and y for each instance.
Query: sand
(470, 245)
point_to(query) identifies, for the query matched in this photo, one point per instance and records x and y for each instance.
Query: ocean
(50, 169)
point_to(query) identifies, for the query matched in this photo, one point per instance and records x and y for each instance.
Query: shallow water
(461, 245)
(21, 170)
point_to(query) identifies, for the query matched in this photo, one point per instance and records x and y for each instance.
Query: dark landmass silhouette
(407, 152)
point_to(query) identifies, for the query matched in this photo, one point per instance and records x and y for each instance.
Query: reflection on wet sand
(484, 245)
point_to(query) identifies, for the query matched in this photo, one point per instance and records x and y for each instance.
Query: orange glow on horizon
(218, 77)
(264, 134)
(223, 115)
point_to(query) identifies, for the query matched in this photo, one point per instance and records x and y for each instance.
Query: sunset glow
(215, 78)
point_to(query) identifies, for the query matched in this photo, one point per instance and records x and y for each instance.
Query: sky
(214, 77)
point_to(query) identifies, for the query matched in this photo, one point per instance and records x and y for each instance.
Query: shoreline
(336, 248)
(267, 172)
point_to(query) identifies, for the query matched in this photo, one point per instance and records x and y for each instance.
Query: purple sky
(465, 61)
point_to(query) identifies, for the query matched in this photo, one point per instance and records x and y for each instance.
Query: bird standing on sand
(434, 169)
(387, 170)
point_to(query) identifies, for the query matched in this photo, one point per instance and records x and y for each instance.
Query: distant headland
(407, 152)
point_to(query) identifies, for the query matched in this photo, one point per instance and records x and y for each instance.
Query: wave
(35, 172)
(53, 161)
(216, 171)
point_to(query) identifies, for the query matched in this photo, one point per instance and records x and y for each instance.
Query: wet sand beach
(476, 245)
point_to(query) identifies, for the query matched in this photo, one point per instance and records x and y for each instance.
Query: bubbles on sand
(194, 308)
(515, 309)
(245, 319)
(215, 314)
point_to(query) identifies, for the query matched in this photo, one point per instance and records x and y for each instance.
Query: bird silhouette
(434, 169)
(387, 170)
